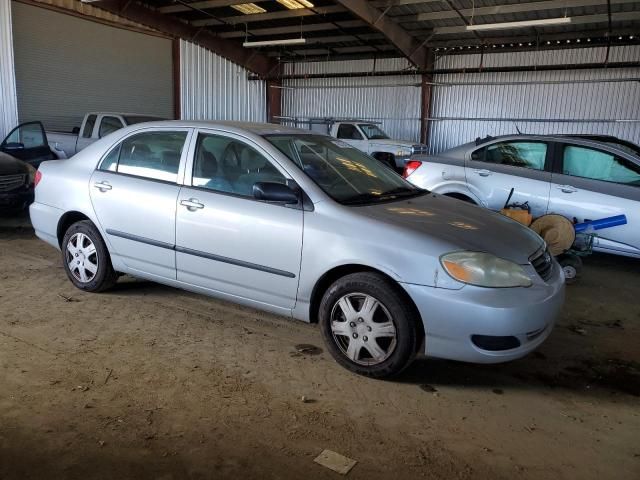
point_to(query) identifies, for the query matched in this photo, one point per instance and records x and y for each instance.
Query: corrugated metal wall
(385, 99)
(578, 105)
(8, 99)
(66, 66)
(213, 88)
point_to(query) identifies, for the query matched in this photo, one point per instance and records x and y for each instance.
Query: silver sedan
(305, 226)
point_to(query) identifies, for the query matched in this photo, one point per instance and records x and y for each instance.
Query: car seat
(256, 168)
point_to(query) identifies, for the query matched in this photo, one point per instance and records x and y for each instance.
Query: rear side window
(153, 155)
(88, 126)
(516, 154)
(109, 125)
(347, 131)
(598, 165)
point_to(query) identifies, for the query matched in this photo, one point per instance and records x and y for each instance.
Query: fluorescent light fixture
(295, 4)
(526, 23)
(248, 8)
(267, 43)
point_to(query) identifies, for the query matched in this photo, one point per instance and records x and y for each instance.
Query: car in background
(579, 178)
(369, 138)
(223, 208)
(28, 142)
(16, 183)
(95, 125)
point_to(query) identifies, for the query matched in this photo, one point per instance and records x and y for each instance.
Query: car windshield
(373, 132)
(133, 119)
(346, 174)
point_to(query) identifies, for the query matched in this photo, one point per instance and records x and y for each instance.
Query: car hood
(11, 166)
(458, 225)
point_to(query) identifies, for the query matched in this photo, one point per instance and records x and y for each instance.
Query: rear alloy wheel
(367, 325)
(86, 258)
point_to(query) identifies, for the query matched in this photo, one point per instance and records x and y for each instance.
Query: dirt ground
(151, 382)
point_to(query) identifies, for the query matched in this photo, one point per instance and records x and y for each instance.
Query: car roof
(252, 127)
(588, 141)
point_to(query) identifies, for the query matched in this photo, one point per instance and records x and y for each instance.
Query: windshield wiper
(404, 192)
(400, 192)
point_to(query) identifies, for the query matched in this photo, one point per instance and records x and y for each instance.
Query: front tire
(367, 325)
(86, 259)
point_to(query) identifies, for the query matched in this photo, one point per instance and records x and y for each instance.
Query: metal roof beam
(229, 49)
(504, 9)
(309, 27)
(580, 20)
(398, 36)
(179, 7)
(262, 17)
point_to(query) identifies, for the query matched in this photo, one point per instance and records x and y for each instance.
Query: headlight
(403, 153)
(484, 270)
(32, 174)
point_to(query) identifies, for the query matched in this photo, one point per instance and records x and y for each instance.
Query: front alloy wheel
(369, 324)
(363, 329)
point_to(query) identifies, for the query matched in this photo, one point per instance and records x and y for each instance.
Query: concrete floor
(150, 382)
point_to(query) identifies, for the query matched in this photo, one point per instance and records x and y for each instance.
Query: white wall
(8, 97)
(213, 88)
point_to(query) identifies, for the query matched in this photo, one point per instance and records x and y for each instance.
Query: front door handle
(482, 172)
(192, 204)
(567, 188)
(103, 186)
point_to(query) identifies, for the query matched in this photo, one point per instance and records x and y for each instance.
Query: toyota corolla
(305, 226)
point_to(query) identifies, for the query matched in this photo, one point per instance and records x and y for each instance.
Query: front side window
(346, 131)
(109, 125)
(229, 166)
(598, 165)
(88, 126)
(154, 155)
(516, 154)
(373, 132)
(343, 172)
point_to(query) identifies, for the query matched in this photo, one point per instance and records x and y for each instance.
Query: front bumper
(16, 199)
(452, 317)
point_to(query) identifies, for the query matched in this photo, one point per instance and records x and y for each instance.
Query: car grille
(543, 264)
(11, 182)
(420, 149)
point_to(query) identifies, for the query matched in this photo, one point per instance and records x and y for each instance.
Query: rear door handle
(103, 186)
(482, 172)
(567, 188)
(192, 204)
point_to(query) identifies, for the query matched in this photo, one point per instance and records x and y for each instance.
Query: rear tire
(86, 259)
(367, 325)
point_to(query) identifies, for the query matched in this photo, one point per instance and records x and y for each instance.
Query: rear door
(86, 137)
(28, 142)
(590, 183)
(524, 165)
(134, 193)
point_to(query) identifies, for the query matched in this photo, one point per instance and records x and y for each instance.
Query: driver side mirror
(275, 192)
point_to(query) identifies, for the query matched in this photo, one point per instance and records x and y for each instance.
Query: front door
(134, 193)
(226, 240)
(493, 170)
(591, 184)
(28, 142)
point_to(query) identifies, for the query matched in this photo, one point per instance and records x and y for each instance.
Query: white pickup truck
(95, 125)
(370, 138)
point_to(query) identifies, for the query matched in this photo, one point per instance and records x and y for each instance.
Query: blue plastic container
(602, 223)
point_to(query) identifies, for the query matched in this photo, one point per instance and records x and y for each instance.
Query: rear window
(133, 119)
